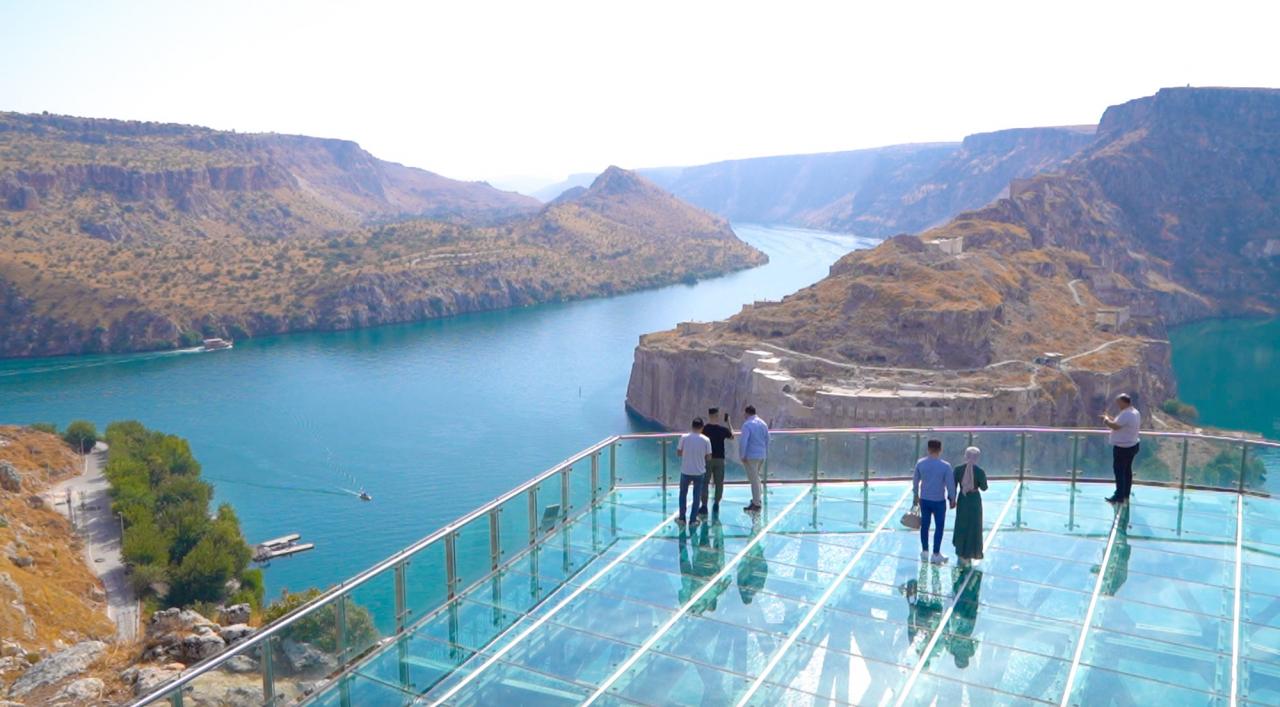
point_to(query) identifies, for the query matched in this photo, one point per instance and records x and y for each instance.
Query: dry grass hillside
(120, 236)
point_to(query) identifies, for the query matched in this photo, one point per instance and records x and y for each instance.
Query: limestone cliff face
(1035, 309)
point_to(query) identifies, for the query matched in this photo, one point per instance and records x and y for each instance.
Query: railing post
(816, 442)
(664, 466)
(1022, 456)
(613, 466)
(532, 495)
(866, 460)
(595, 477)
(402, 604)
(1075, 459)
(451, 563)
(495, 539)
(917, 456)
(564, 492)
(1182, 477)
(1244, 463)
(268, 674)
(340, 627)
(971, 439)
(175, 698)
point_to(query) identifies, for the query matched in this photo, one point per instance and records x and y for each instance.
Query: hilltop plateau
(1034, 309)
(123, 236)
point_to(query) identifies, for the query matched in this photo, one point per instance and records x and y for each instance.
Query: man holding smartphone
(1124, 445)
(717, 433)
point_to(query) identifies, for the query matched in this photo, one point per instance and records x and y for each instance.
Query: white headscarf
(967, 482)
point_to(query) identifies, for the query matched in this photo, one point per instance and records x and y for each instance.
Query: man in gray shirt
(934, 487)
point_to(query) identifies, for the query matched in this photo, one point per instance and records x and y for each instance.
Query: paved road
(100, 529)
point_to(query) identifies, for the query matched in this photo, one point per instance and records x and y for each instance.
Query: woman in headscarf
(967, 527)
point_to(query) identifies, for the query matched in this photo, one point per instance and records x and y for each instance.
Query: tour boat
(215, 344)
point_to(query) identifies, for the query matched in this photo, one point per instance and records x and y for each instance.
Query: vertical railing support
(970, 439)
(495, 539)
(664, 467)
(1022, 456)
(564, 492)
(532, 495)
(917, 456)
(340, 628)
(268, 674)
(816, 442)
(1244, 463)
(1075, 460)
(1182, 475)
(451, 563)
(402, 598)
(595, 477)
(866, 460)
(175, 698)
(613, 466)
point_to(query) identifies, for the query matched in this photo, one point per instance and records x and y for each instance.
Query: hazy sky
(484, 90)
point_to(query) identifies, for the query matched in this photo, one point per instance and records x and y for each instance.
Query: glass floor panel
(822, 599)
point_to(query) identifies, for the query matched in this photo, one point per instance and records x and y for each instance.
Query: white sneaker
(937, 559)
(924, 555)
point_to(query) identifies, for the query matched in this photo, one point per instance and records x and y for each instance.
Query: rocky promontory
(1035, 309)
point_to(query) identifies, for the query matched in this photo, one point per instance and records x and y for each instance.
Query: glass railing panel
(639, 461)
(1263, 475)
(473, 556)
(1002, 454)
(1159, 461)
(894, 454)
(1049, 455)
(1215, 463)
(842, 456)
(791, 457)
(309, 650)
(426, 582)
(580, 484)
(551, 501)
(513, 523)
(1094, 457)
(369, 613)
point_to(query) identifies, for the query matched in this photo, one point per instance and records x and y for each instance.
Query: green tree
(144, 544)
(319, 627)
(203, 573)
(81, 435)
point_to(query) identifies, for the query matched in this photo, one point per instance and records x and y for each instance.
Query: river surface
(432, 419)
(1230, 370)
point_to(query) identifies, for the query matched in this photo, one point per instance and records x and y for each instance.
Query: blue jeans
(932, 510)
(697, 482)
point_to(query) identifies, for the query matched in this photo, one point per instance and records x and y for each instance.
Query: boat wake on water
(282, 487)
(71, 365)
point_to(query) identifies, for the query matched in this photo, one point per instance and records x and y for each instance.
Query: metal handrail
(345, 587)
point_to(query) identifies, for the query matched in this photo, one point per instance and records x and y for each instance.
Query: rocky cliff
(121, 236)
(1032, 310)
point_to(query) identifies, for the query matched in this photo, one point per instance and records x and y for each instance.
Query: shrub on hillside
(320, 627)
(81, 435)
(49, 427)
(1183, 411)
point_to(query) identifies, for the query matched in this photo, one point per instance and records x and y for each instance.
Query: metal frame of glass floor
(578, 587)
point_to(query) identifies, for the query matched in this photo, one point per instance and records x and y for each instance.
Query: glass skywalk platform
(579, 588)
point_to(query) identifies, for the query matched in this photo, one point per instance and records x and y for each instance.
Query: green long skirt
(967, 527)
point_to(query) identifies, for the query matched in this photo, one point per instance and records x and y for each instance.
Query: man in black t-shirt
(717, 432)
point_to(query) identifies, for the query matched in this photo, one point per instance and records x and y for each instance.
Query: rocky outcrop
(1035, 309)
(10, 479)
(58, 666)
(234, 614)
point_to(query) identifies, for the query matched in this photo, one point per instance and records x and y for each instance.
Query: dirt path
(100, 528)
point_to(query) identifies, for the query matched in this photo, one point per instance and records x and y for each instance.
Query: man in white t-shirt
(694, 450)
(1124, 445)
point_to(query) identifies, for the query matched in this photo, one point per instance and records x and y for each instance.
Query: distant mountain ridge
(124, 236)
(1171, 213)
(879, 191)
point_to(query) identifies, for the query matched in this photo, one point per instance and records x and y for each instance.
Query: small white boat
(364, 495)
(215, 344)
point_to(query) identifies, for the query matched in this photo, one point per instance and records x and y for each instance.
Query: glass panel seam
(1235, 620)
(951, 607)
(822, 600)
(1088, 616)
(684, 609)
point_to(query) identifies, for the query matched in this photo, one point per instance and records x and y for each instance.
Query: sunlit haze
(484, 90)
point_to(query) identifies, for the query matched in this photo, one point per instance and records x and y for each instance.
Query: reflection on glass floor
(822, 599)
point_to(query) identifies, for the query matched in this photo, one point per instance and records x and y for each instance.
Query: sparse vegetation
(318, 629)
(1183, 411)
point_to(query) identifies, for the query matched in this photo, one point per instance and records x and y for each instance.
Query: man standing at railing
(717, 433)
(753, 446)
(1124, 445)
(694, 449)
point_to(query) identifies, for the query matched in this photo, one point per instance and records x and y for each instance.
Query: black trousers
(1122, 465)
